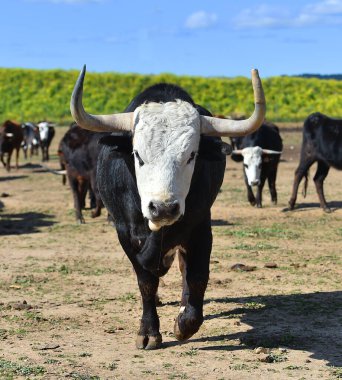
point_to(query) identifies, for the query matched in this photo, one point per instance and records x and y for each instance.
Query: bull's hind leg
(272, 186)
(300, 172)
(321, 173)
(194, 265)
(148, 336)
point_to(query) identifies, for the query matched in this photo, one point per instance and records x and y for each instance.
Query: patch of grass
(127, 297)
(337, 372)
(256, 247)
(8, 368)
(64, 269)
(192, 352)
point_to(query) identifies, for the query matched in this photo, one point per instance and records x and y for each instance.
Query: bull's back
(323, 135)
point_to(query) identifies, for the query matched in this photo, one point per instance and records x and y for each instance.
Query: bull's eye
(192, 156)
(259, 166)
(245, 165)
(136, 154)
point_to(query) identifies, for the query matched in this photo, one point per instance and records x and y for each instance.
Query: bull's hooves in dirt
(80, 221)
(148, 342)
(182, 336)
(327, 210)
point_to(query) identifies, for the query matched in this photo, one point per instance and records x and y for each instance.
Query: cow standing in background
(31, 141)
(158, 181)
(78, 152)
(11, 137)
(46, 132)
(260, 153)
(322, 143)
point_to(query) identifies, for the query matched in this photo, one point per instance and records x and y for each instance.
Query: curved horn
(235, 128)
(237, 151)
(268, 151)
(97, 123)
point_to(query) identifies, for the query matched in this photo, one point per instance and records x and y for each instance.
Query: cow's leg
(148, 336)
(272, 185)
(259, 191)
(194, 265)
(300, 172)
(250, 195)
(8, 161)
(74, 184)
(2, 159)
(321, 173)
(95, 198)
(17, 158)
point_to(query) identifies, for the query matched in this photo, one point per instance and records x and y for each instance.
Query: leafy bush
(45, 94)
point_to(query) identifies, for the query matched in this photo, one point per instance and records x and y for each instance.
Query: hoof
(182, 335)
(80, 221)
(148, 342)
(327, 209)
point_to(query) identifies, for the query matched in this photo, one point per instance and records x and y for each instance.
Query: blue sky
(192, 37)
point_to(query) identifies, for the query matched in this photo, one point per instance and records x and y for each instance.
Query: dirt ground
(70, 305)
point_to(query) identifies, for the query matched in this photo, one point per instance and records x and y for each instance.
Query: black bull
(151, 253)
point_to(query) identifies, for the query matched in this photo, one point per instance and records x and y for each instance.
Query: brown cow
(11, 136)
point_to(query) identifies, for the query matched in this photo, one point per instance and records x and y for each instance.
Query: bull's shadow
(310, 322)
(12, 178)
(334, 205)
(24, 223)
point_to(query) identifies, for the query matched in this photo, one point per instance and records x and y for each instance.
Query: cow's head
(252, 162)
(165, 145)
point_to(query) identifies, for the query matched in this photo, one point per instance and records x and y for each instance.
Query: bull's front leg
(148, 336)
(194, 265)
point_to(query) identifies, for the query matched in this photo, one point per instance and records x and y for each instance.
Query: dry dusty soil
(70, 305)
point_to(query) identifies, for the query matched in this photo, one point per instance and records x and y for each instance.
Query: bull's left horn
(268, 151)
(97, 123)
(234, 128)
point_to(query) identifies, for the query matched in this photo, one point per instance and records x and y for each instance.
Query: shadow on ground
(310, 322)
(11, 178)
(334, 205)
(24, 223)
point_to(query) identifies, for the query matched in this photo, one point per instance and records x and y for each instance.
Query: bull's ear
(226, 149)
(119, 142)
(236, 157)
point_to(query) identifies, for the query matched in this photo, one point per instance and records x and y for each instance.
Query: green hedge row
(44, 94)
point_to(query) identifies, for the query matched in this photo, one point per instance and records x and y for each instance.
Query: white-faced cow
(31, 141)
(158, 180)
(322, 143)
(260, 153)
(46, 132)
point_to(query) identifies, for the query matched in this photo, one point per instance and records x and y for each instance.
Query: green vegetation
(45, 94)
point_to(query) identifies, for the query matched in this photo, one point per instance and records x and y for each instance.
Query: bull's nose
(163, 210)
(255, 182)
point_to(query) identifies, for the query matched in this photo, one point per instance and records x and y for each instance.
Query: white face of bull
(252, 161)
(165, 146)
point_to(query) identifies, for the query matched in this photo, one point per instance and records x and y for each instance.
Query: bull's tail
(305, 185)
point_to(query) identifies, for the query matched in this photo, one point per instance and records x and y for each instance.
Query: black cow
(11, 137)
(322, 142)
(31, 139)
(158, 181)
(46, 132)
(78, 152)
(260, 153)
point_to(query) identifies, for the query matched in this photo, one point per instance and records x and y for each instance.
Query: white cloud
(65, 1)
(200, 20)
(323, 12)
(326, 7)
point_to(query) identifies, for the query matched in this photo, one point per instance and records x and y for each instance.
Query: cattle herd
(158, 167)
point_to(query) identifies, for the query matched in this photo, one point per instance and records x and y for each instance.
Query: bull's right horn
(234, 128)
(98, 123)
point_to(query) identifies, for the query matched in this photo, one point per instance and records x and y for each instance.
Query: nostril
(153, 208)
(174, 208)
